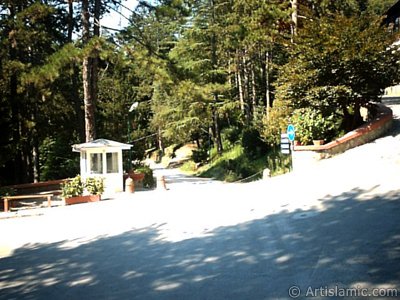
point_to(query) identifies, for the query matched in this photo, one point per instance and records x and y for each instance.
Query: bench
(7, 199)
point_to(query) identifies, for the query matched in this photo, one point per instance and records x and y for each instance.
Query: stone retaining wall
(304, 155)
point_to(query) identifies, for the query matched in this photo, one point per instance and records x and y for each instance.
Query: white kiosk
(103, 158)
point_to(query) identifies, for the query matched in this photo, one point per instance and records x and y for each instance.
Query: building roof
(100, 143)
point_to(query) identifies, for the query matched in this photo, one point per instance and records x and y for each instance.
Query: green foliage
(57, 161)
(379, 7)
(222, 167)
(311, 125)
(234, 165)
(189, 167)
(184, 110)
(148, 180)
(200, 155)
(277, 162)
(6, 191)
(94, 185)
(276, 122)
(72, 187)
(199, 70)
(252, 143)
(35, 103)
(339, 64)
(232, 135)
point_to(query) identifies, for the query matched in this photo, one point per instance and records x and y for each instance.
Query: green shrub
(57, 161)
(276, 121)
(189, 166)
(277, 162)
(231, 135)
(252, 143)
(72, 187)
(148, 180)
(311, 125)
(94, 185)
(231, 176)
(235, 165)
(200, 155)
(6, 191)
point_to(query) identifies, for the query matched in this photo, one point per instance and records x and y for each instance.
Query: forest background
(226, 75)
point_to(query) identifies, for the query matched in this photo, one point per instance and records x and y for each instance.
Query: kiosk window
(96, 163)
(112, 162)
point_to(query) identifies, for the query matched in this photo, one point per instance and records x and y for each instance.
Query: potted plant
(143, 177)
(311, 126)
(136, 175)
(73, 189)
(95, 187)
(297, 142)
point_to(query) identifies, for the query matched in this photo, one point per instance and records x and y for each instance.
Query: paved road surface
(177, 180)
(335, 225)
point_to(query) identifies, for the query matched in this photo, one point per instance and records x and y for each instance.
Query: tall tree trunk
(246, 89)
(253, 92)
(16, 128)
(35, 158)
(214, 61)
(96, 24)
(267, 83)
(240, 88)
(160, 141)
(89, 104)
(25, 146)
(70, 20)
(216, 129)
(80, 120)
(90, 132)
(35, 154)
(95, 55)
(15, 107)
(294, 24)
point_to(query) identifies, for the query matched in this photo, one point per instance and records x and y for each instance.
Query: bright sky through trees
(117, 20)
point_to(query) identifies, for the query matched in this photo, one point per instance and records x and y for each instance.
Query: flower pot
(318, 142)
(136, 176)
(82, 199)
(297, 143)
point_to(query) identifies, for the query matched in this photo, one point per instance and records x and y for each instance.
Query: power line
(144, 137)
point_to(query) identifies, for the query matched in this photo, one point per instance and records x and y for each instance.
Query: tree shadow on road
(354, 240)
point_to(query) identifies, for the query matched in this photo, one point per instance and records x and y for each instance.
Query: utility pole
(131, 109)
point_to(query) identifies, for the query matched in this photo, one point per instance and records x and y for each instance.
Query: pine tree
(31, 32)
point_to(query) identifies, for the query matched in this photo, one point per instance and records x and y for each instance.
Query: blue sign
(291, 132)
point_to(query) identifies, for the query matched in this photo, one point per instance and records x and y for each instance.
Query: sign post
(285, 144)
(291, 134)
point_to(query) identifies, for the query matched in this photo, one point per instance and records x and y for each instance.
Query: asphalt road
(330, 228)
